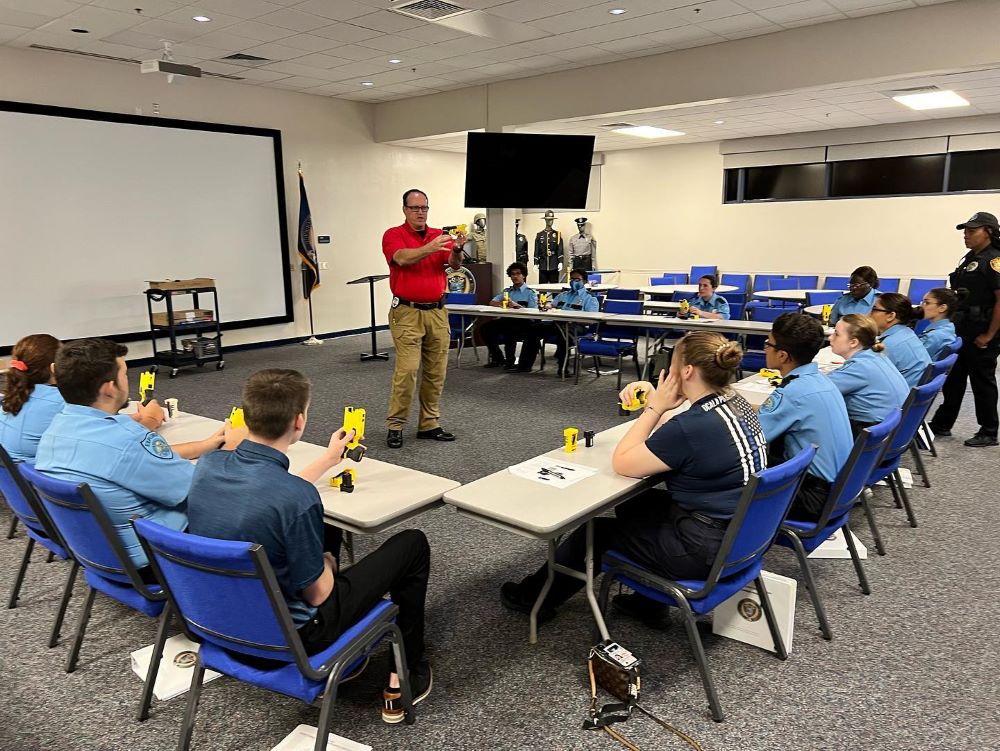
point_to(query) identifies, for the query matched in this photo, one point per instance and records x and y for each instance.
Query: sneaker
(513, 599)
(979, 440)
(653, 614)
(421, 683)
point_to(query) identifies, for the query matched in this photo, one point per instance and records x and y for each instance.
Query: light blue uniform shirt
(525, 296)
(871, 385)
(20, 433)
(847, 304)
(714, 304)
(577, 300)
(810, 410)
(936, 338)
(906, 352)
(132, 471)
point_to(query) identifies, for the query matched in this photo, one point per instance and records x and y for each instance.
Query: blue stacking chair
(942, 366)
(229, 600)
(742, 284)
(768, 282)
(822, 298)
(914, 412)
(612, 341)
(668, 278)
(697, 272)
(754, 357)
(920, 287)
(620, 293)
(93, 542)
(836, 283)
(459, 326)
(847, 491)
(28, 510)
(764, 503)
(805, 281)
(953, 348)
(594, 278)
(888, 284)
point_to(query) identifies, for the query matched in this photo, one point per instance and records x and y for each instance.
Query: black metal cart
(194, 341)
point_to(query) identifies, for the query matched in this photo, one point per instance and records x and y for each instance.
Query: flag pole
(312, 341)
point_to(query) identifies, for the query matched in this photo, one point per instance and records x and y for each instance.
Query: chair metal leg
(154, 664)
(405, 690)
(927, 437)
(15, 591)
(194, 695)
(817, 602)
(871, 525)
(81, 628)
(919, 461)
(856, 559)
(699, 655)
(891, 482)
(576, 366)
(619, 372)
(12, 530)
(906, 500)
(325, 714)
(50, 557)
(772, 623)
(63, 604)
(638, 368)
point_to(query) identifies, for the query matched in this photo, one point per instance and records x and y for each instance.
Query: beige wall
(354, 184)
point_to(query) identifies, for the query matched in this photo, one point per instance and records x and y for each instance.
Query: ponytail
(30, 364)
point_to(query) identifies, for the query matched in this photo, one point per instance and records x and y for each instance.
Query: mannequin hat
(549, 215)
(478, 216)
(581, 220)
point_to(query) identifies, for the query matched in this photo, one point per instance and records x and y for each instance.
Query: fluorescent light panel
(932, 100)
(648, 131)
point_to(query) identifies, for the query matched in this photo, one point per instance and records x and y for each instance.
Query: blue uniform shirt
(847, 304)
(936, 338)
(132, 471)
(20, 433)
(248, 495)
(810, 410)
(871, 385)
(714, 304)
(906, 352)
(577, 300)
(711, 449)
(525, 296)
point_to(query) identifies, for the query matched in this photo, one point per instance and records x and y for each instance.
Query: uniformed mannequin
(476, 245)
(977, 321)
(520, 244)
(582, 247)
(548, 251)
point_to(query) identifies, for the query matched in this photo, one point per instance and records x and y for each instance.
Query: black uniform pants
(548, 277)
(401, 567)
(650, 529)
(508, 330)
(978, 366)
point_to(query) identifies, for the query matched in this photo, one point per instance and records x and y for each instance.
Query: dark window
(732, 185)
(785, 182)
(974, 170)
(888, 176)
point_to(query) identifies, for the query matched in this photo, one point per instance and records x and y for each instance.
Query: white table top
(755, 388)
(737, 326)
(384, 494)
(554, 314)
(661, 304)
(692, 289)
(814, 310)
(795, 295)
(560, 286)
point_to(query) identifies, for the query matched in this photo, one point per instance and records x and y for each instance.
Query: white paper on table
(757, 387)
(554, 473)
(826, 357)
(303, 738)
(171, 679)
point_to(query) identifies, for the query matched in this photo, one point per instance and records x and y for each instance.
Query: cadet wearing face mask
(577, 298)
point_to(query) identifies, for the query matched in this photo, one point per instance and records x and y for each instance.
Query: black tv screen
(527, 170)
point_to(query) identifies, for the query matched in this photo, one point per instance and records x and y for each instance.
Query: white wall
(354, 184)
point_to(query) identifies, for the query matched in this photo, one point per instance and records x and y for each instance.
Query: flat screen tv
(527, 170)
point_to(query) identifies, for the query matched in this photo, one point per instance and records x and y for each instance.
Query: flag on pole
(307, 243)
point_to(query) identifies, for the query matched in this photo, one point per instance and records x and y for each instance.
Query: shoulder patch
(995, 264)
(155, 444)
(772, 401)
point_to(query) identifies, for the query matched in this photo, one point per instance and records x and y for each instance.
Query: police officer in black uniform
(977, 283)
(520, 244)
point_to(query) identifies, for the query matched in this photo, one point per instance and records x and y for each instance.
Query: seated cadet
(861, 292)
(938, 305)
(510, 330)
(31, 398)
(707, 302)
(870, 383)
(805, 409)
(132, 470)
(704, 455)
(577, 298)
(894, 316)
(249, 495)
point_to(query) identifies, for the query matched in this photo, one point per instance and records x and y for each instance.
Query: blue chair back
(869, 448)
(763, 281)
(594, 278)
(735, 311)
(836, 283)
(697, 272)
(941, 366)
(22, 499)
(888, 284)
(920, 287)
(822, 298)
(806, 282)
(678, 296)
(456, 321)
(740, 281)
(952, 348)
(766, 314)
(621, 307)
(915, 409)
(776, 284)
(622, 294)
(671, 278)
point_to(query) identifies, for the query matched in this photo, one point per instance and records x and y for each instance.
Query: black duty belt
(419, 305)
(709, 521)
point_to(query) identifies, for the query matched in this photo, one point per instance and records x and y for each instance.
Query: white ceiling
(328, 47)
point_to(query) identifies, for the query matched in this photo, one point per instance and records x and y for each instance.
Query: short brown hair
(84, 365)
(798, 335)
(864, 329)
(37, 352)
(715, 357)
(272, 399)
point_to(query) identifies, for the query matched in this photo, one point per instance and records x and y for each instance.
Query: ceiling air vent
(246, 59)
(121, 60)
(613, 126)
(429, 10)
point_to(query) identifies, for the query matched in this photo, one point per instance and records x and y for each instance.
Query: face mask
(576, 285)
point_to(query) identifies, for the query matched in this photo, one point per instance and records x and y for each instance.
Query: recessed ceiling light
(395, 61)
(618, 11)
(647, 131)
(201, 19)
(932, 100)
(719, 122)
(80, 31)
(367, 83)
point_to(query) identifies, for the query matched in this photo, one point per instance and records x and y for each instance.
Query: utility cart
(194, 333)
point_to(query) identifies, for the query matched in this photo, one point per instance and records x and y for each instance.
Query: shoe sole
(396, 717)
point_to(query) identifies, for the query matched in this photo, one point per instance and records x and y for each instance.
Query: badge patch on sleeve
(157, 446)
(772, 402)
(995, 264)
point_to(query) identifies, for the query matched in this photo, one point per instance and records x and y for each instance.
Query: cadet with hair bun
(893, 314)
(31, 399)
(938, 305)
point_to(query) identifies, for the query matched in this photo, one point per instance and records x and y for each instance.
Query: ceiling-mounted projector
(170, 68)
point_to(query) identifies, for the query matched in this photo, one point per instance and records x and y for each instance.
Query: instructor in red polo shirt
(416, 255)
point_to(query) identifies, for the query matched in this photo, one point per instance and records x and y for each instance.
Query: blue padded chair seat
(601, 347)
(287, 679)
(126, 593)
(47, 542)
(809, 538)
(722, 591)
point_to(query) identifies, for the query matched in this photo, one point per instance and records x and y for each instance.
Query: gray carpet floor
(912, 666)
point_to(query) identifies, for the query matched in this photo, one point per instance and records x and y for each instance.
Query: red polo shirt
(423, 281)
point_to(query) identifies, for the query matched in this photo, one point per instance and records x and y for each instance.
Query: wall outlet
(323, 266)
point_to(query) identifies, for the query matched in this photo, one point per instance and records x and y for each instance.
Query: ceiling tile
(847, 5)
(345, 32)
(185, 16)
(266, 76)
(319, 60)
(150, 8)
(813, 21)
(99, 21)
(356, 52)
(48, 8)
(431, 33)
(275, 51)
(223, 40)
(800, 11)
(355, 70)
(299, 82)
(8, 33)
(383, 20)
(337, 10)
(392, 43)
(259, 32)
(888, 8)
(135, 39)
(737, 23)
(294, 19)
(176, 32)
(309, 42)
(200, 51)
(240, 8)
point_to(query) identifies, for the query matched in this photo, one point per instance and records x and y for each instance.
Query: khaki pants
(421, 338)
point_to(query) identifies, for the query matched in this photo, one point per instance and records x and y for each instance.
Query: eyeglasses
(772, 345)
(418, 209)
(929, 302)
(879, 310)
(858, 285)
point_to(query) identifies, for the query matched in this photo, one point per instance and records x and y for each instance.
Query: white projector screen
(92, 205)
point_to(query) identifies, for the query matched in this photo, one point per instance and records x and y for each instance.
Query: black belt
(709, 521)
(419, 305)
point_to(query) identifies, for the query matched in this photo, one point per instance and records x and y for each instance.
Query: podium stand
(374, 354)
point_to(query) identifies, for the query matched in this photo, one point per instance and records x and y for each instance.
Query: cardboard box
(176, 284)
(185, 316)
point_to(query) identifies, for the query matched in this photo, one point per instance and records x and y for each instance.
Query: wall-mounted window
(731, 185)
(785, 182)
(893, 176)
(974, 170)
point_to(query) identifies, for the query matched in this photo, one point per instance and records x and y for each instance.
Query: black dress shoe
(513, 599)
(394, 439)
(519, 369)
(979, 440)
(509, 366)
(436, 434)
(493, 364)
(943, 432)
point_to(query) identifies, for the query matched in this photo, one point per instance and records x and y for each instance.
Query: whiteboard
(91, 208)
